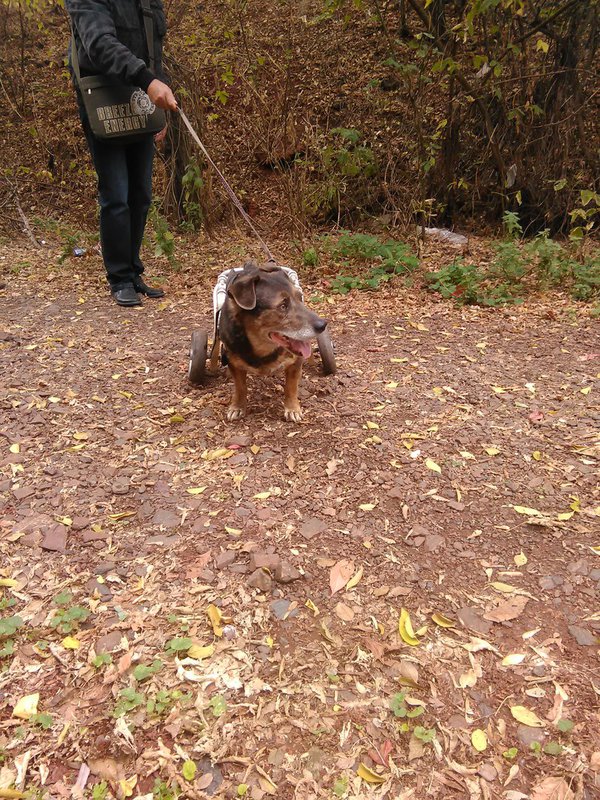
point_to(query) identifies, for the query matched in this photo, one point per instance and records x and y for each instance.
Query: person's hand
(160, 136)
(161, 95)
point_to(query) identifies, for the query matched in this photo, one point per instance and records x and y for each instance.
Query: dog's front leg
(291, 404)
(237, 408)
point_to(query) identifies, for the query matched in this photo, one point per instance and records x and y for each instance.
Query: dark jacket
(111, 40)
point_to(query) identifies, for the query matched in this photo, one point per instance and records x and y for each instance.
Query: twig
(25, 221)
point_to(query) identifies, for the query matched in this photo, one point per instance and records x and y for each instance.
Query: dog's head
(273, 309)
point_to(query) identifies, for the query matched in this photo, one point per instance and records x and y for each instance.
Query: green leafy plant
(369, 262)
(128, 699)
(178, 644)
(100, 791)
(101, 660)
(67, 620)
(164, 240)
(142, 671)
(193, 184)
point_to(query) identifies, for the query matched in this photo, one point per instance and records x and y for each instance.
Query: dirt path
(451, 467)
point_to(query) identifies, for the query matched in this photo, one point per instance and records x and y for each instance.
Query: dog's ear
(243, 288)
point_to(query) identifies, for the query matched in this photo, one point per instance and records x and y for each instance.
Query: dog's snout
(320, 324)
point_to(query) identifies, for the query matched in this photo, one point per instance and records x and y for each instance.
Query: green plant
(67, 620)
(457, 280)
(310, 257)
(101, 660)
(142, 672)
(100, 791)
(127, 700)
(164, 240)
(163, 791)
(178, 644)
(369, 262)
(193, 184)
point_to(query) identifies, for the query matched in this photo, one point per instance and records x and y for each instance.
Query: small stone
(539, 670)
(582, 636)
(260, 580)
(22, 492)
(55, 539)
(399, 591)
(94, 536)
(261, 560)
(472, 620)
(103, 567)
(549, 582)
(528, 736)
(224, 559)
(166, 518)
(488, 772)
(121, 486)
(280, 608)
(311, 527)
(164, 541)
(109, 642)
(102, 589)
(79, 523)
(580, 567)
(459, 722)
(433, 543)
(286, 573)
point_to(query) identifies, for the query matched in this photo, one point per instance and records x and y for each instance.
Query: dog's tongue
(299, 346)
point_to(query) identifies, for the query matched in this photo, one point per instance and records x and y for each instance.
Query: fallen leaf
(355, 579)
(262, 495)
(526, 717)
(520, 559)
(554, 788)
(26, 706)
(491, 451)
(340, 574)
(405, 629)
(310, 605)
(443, 621)
(215, 618)
(81, 436)
(15, 448)
(367, 506)
(513, 659)
(221, 452)
(528, 512)
(368, 775)
(479, 740)
(344, 612)
(71, 643)
(430, 464)
(196, 490)
(200, 652)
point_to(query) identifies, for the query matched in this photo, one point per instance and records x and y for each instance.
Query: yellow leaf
(196, 490)
(586, 390)
(536, 455)
(122, 515)
(368, 775)
(520, 559)
(15, 448)
(405, 629)
(565, 516)
(526, 717)
(576, 504)
(65, 521)
(542, 45)
(221, 452)
(198, 652)
(430, 464)
(595, 549)
(466, 455)
(372, 425)
(309, 604)
(11, 794)
(82, 436)
(503, 587)
(27, 706)
(492, 451)
(367, 506)
(442, 621)
(233, 531)
(127, 786)
(528, 512)
(10, 583)
(262, 495)
(215, 618)
(254, 448)
(479, 740)
(355, 579)
(499, 390)
(176, 419)
(392, 385)
(398, 360)
(71, 643)
(513, 659)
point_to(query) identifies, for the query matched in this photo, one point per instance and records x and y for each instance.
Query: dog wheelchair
(200, 351)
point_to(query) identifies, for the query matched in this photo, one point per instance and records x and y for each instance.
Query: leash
(226, 186)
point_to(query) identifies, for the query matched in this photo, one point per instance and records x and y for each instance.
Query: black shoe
(127, 296)
(143, 288)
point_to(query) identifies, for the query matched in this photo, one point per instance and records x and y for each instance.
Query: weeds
(164, 240)
(516, 270)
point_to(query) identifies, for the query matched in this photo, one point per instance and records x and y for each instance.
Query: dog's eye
(285, 304)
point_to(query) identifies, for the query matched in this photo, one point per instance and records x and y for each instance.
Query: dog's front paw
(233, 413)
(293, 414)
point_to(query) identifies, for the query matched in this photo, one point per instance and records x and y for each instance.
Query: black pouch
(116, 110)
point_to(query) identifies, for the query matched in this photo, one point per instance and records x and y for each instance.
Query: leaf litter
(136, 644)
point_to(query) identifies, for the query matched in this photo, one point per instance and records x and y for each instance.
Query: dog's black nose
(320, 325)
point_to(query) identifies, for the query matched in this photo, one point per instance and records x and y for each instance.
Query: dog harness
(223, 281)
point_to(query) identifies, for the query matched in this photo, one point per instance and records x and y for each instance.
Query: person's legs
(139, 165)
(110, 163)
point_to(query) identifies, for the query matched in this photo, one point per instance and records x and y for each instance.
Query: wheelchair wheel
(197, 365)
(327, 353)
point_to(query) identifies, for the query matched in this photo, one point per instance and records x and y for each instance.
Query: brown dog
(264, 326)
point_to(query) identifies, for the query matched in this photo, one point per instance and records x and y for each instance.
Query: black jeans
(124, 173)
